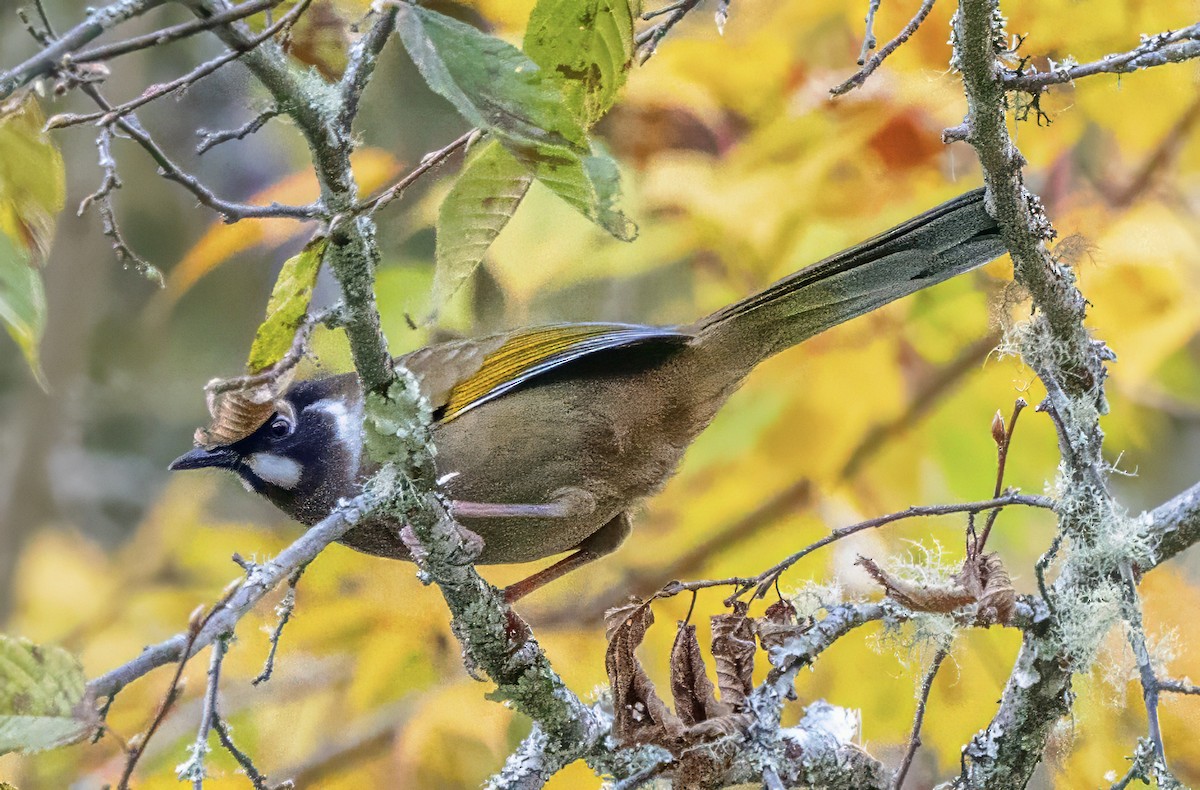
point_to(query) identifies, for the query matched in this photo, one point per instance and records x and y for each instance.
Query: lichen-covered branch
(352, 255)
(1173, 46)
(1071, 365)
(1176, 524)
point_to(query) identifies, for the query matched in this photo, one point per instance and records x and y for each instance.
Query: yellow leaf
(287, 306)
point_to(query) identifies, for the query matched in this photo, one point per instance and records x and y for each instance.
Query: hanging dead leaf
(733, 648)
(778, 624)
(639, 714)
(695, 698)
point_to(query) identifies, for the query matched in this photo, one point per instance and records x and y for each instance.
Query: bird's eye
(281, 428)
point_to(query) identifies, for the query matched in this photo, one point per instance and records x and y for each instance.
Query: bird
(548, 438)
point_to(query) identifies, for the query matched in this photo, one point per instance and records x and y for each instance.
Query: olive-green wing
(460, 375)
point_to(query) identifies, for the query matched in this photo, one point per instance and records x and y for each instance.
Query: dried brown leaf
(733, 647)
(982, 580)
(939, 598)
(238, 413)
(694, 694)
(988, 580)
(639, 714)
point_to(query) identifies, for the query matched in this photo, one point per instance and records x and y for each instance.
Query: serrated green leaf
(498, 88)
(484, 197)
(32, 193)
(43, 697)
(588, 44)
(490, 82)
(287, 306)
(591, 184)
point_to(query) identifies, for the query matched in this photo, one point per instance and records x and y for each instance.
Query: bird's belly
(613, 440)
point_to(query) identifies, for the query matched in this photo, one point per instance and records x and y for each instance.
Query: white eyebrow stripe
(275, 469)
(347, 423)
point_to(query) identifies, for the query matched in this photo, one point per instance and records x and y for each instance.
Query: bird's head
(304, 457)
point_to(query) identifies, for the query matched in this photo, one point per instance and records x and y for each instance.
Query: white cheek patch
(347, 423)
(275, 469)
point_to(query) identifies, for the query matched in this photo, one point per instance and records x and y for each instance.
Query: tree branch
(363, 58)
(1176, 524)
(1172, 46)
(868, 68)
(230, 212)
(1071, 365)
(260, 580)
(169, 34)
(50, 58)
(195, 75)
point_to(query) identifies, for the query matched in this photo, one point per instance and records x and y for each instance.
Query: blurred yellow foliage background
(739, 169)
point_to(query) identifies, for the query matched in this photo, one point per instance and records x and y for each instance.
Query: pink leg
(564, 503)
(603, 541)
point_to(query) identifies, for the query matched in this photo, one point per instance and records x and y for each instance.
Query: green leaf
(487, 192)
(497, 88)
(32, 193)
(287, 306)
(589, 44)
(490, 82)
(43, 697)
(22, 302)
(592, 184)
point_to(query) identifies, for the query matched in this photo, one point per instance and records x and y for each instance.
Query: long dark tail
(945, 241)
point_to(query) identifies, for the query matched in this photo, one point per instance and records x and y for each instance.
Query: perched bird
(548, 437)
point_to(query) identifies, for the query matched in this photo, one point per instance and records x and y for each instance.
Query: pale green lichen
(917, 636)
(396, 425)
(813, 598)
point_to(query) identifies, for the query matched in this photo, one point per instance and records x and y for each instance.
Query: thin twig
(762, 583)
(914, 739)
(41, 10)
(169, 34)
(48, 60)
(193, 76)
(1141, 654)
(191, 643)
(102, 200)
(869, 40)
(1178, 687)
(767, 577)
(229, 211)
(245, 594)
(256, 777)
(1172, 46)
(39, 34)
(361, 64)
(210, 140)
(193, 769)
(271, 374)
(1002, 445)
(860, 76)
(284, 611)
(428, 162)
(647, 40)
